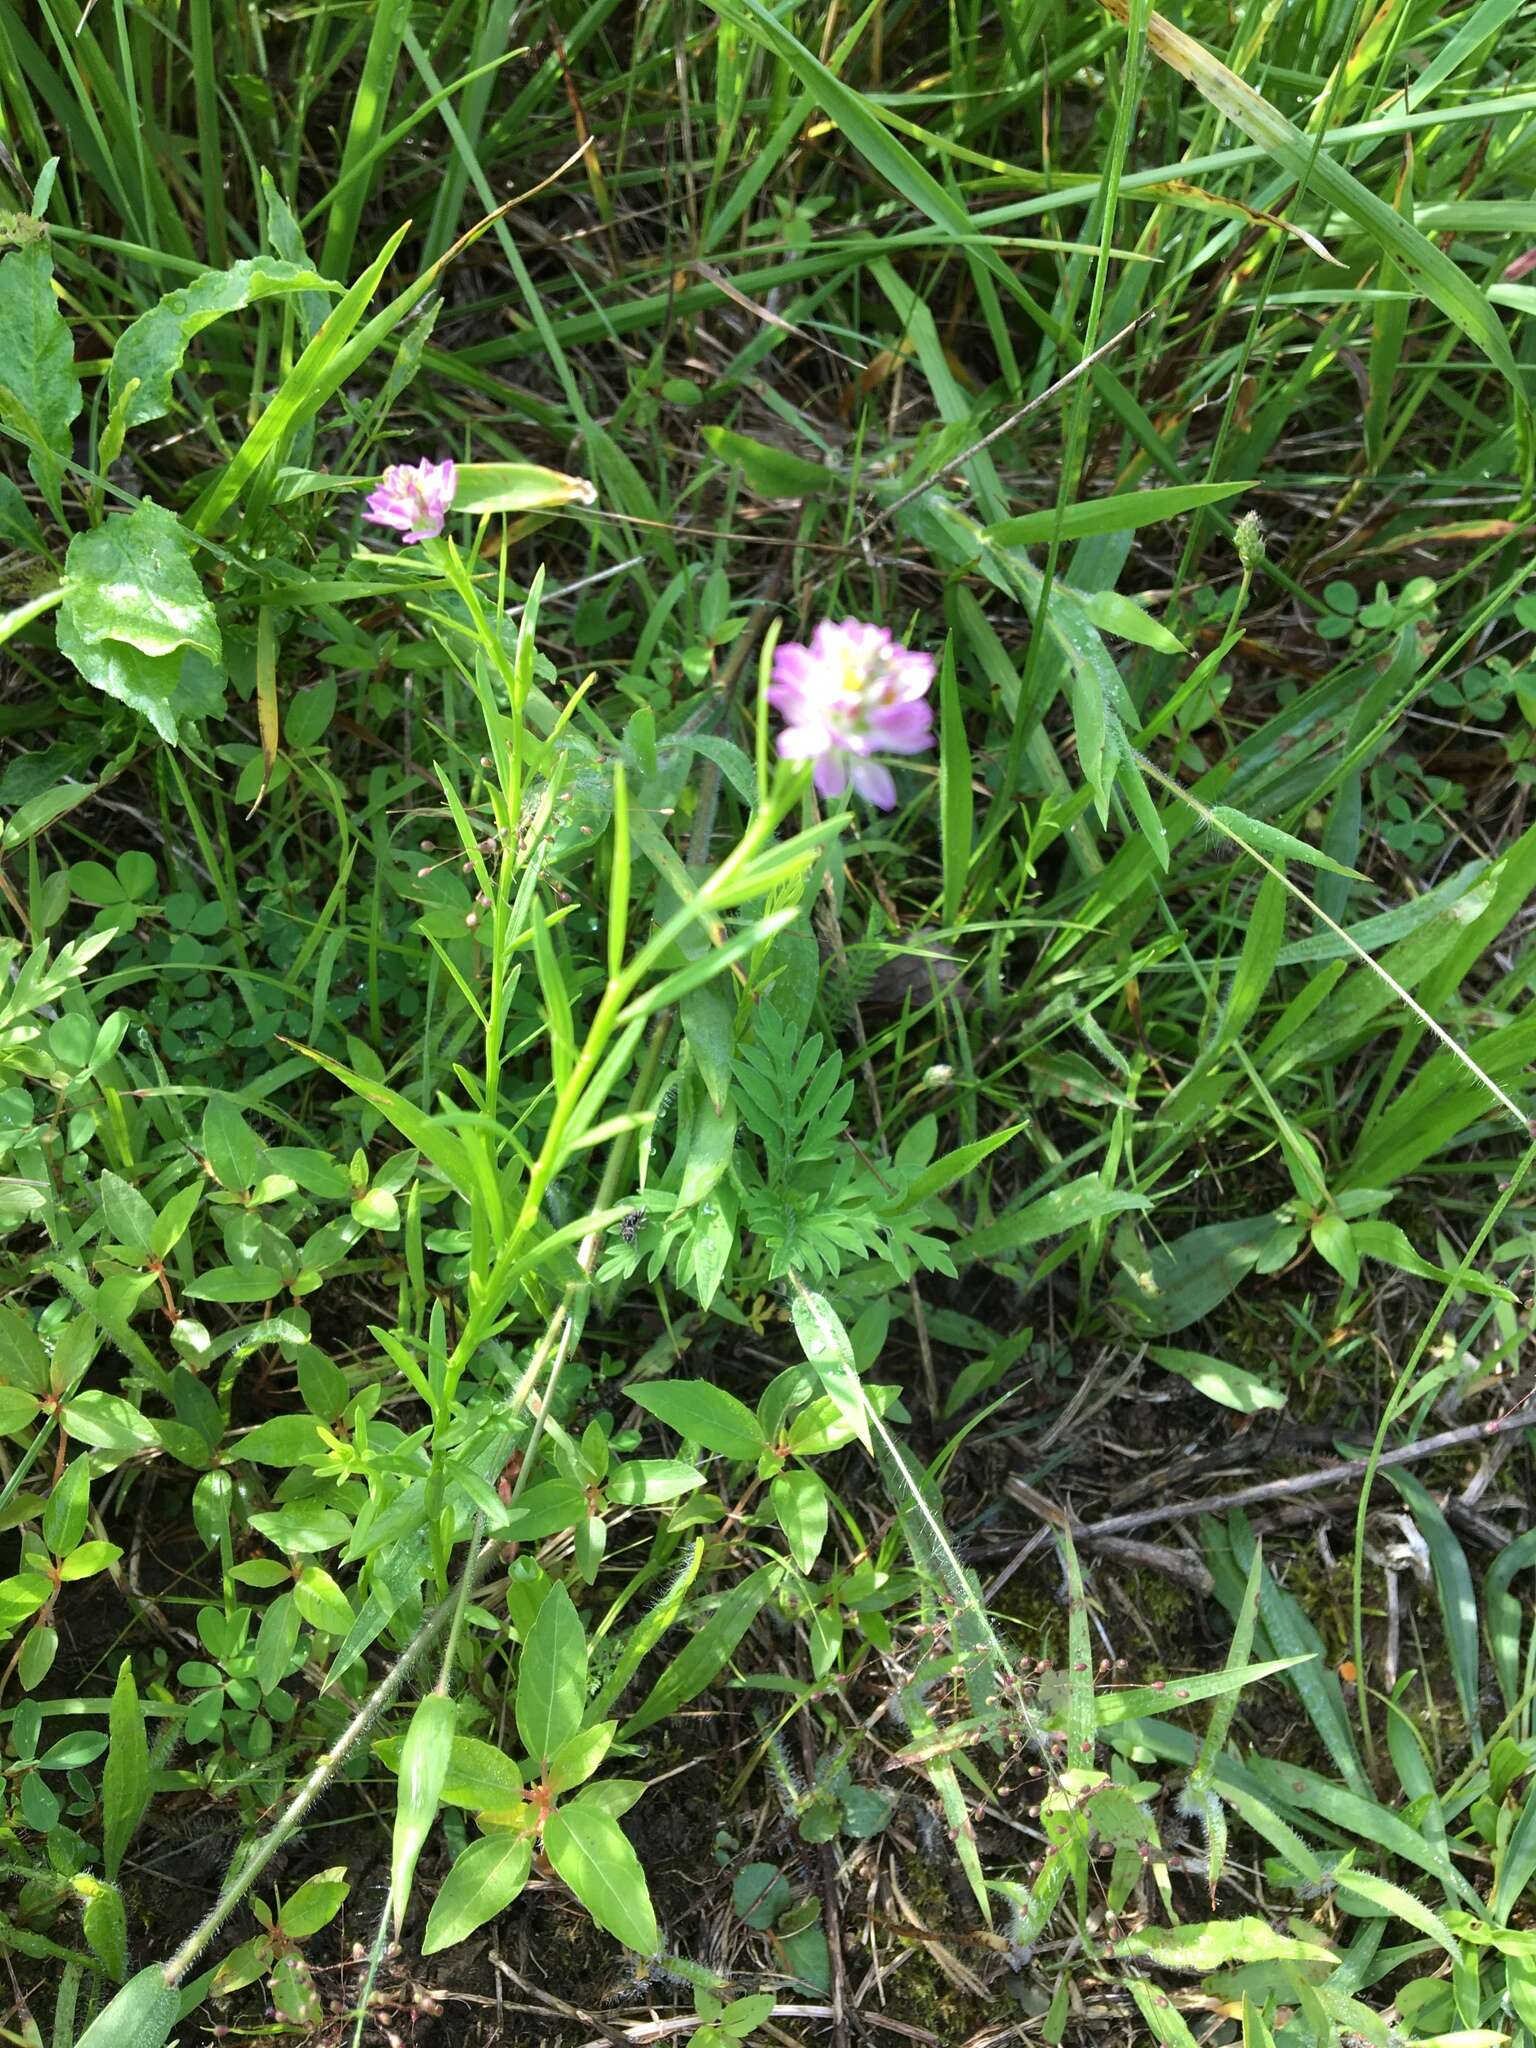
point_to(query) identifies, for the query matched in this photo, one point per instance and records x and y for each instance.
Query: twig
(547, 1999)
(1284, 1489)
(646, 2031)
(1157, 1557)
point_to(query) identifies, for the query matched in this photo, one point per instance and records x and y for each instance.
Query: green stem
(615, 995)
(461, 1603)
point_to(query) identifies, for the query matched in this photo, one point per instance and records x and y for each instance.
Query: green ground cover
(572, 1299)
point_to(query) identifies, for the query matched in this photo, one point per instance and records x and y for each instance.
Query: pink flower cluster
(415, 498)
(852, 693)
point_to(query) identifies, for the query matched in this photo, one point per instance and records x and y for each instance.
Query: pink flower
(415, 498)
(852, 693)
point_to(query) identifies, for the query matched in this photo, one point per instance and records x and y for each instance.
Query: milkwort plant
(525, 1186)
(203, 1211)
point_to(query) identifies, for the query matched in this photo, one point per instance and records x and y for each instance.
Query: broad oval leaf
(485, 1879)
(703, 1414)
(517, 487)
(1218, 1380)
(39, 384)
(575, 1760)
(135, 622)
(479, 1776)
(770, 471)
(315, 1904)
(152, 349)
(592, 1854)
(642, 1482)
(322, 1602)
(799, 1503)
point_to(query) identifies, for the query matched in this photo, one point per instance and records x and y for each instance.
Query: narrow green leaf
(424, 1759)
(957, 806)
(1207, 1945)
(39, 385)
(320, 370)
(620, 876)
(1124, 619)
(368, 111)
(1442, 280)
(552, 1677)
(1081, 1721)
(1137, 1700)
(1121, 513)
(1255, 964)
(1238, 1651)
(647, 1632)
(1253, 832)
(1165, 2022)
(1517, 1865)
(707, 1650)
(429, 1134)
(1505, 1614)
(1291, 1634)
(1381, 1896)
(1066, 1208)
(1454, 1589)
(125, 1775)
(941, 1775)
(954, 1166)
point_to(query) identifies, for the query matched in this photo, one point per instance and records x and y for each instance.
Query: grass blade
(1442, 281)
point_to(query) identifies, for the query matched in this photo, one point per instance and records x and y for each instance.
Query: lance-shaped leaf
(424, 1759)
(39, 385)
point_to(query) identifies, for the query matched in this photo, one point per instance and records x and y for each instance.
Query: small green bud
(1250, 541)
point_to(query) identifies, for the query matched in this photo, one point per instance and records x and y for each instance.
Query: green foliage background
(454, 1096)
